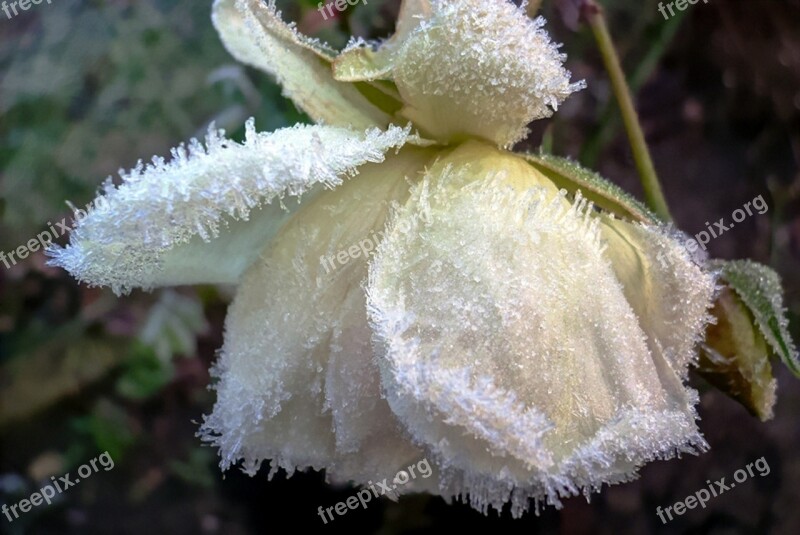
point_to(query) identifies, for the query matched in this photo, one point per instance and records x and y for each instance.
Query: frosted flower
(529, 344)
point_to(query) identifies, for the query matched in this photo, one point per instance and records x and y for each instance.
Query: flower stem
(654, 196)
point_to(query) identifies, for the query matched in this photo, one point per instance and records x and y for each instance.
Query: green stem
(593, 13)
(609, 121)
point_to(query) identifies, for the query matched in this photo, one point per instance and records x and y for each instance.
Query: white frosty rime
(160, 206)
(468, 68)
(511, 351)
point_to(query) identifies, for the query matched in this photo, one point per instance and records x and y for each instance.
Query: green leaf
(144, 374)
(196, 470)
(735, 356)
(759, 288)
(606, 195)
(109, 427)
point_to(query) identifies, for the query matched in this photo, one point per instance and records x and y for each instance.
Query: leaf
(144, 373)
(735, 357)
(572, 177)
(170, 330)
(196, 470)
(759, 288)
(109, 427)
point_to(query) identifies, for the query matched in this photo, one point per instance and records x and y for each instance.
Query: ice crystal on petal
(298, 380)
(512, 352)
(160, 206)
(254, 33)
(669, 289)
(481, 68)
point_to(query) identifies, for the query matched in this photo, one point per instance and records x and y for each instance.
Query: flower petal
(298, 381)
(154, 228)
(467, 68)
(361, 62)
(511, 351)
(669, 291)
(254, 33)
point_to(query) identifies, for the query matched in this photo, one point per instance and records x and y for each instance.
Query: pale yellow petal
(204, 216)
(298, 381)
(361, 62)
(511, 351)
(669, 290)
(255, 34)
(466, 68)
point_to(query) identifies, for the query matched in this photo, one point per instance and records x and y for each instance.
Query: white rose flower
(530, 344)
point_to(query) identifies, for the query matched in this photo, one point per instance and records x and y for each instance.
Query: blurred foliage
(108, 427)
(92, 86)
(42, 378)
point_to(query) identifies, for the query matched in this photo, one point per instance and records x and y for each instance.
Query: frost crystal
(124, 239)
(468, 68)
(298, 380)
(669, 291)
(254, 33)
(511, 351)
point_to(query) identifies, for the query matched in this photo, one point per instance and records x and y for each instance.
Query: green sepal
(605, 195)
(759, 288)
(735, 356)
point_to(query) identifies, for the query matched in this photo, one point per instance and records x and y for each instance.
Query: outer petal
(670, 292)
(254, 33)
(511, 351)
(362, 62)
(153, 229)
(298, 381)
(477, 68)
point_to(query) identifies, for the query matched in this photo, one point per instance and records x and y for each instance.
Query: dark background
(87, 87)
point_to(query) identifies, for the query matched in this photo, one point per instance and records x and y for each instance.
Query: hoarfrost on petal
(670, 291)
(254, 33)
(154, 229)
(298, 383)
(511, 351)
(478, 68)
